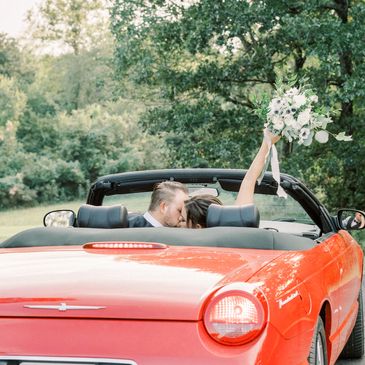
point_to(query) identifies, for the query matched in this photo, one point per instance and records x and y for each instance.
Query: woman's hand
(272, 137)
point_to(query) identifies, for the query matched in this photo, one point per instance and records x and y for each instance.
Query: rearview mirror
(351, 219)
(60, 218)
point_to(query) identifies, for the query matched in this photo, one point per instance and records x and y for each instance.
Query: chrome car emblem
(63, 307)
(288, 299)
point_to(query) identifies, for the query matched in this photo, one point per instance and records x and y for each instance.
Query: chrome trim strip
(69, 359)
(64, 307)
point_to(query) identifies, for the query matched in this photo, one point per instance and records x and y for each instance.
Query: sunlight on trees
(213, 58)
(60, 26)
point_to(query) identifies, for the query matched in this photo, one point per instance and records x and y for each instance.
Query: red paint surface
(155, 301)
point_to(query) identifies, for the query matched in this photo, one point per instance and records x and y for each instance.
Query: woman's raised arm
(247, 188)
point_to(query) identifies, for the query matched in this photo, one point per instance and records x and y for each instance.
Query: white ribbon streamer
(276, 172)
(272, 156)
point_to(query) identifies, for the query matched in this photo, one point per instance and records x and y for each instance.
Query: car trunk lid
(165, 283)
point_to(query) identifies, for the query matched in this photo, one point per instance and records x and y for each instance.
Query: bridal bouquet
(294, 114)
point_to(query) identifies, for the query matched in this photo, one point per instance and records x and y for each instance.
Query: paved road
(354, 362)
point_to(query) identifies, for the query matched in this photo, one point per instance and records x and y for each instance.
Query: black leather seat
(233, 216)
(91, 216)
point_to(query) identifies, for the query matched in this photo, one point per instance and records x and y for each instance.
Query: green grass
(16, 220)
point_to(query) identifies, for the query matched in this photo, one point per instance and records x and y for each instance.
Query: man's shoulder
(138, 220)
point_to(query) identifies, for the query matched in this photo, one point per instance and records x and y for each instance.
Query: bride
(195, 210)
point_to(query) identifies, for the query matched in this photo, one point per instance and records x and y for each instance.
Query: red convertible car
(284, 291)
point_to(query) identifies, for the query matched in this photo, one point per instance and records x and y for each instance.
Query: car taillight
(123, 245)
(234, 318)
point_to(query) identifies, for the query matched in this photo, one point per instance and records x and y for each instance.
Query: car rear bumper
(138, 343)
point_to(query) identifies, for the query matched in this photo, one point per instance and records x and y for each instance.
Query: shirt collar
(149, 218)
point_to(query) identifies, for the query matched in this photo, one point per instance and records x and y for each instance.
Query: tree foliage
(13, 62)
(212, 58)
(12, 101)
(75, 24)
(59, 160)
(64, 126)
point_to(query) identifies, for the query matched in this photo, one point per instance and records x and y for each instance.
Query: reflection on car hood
(170, 283)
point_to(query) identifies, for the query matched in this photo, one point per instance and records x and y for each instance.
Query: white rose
(321, 136)
(304, 117)
(297, 126)
(289, 120)
(299, 100)
(278, 123)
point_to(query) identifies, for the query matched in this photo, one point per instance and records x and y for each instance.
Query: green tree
(13, 62)
(76, 36)
(12, 102)
(74, 24)
(10, 56)
(212, 58)
(103, 142)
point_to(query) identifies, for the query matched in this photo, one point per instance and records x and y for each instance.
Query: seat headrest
(115, 216)
(233, 216)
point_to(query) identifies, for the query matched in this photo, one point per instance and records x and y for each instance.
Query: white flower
(278, 123)
(292, 115)
(313, 98)
(293, 91)
(299, 100)
(304, 117)
(322, 136)
(289, 120)
(304, 133)
(322, 121)
(275, 104)
(308, 141)
(297, 126)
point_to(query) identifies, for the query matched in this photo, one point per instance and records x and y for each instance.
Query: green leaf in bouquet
(342, 137)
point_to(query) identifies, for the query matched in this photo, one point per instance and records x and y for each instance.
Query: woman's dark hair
(197, 209)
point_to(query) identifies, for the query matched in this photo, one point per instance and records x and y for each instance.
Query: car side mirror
(60, 218)
(351, 219)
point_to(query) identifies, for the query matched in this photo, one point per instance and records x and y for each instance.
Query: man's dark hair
(165, 192)
(197, 209)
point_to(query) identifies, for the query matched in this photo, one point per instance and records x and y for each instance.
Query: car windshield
(271, 207)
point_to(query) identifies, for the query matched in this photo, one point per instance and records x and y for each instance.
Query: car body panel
(122, 280)
(148, 305)
(145, 342)
(309, 279)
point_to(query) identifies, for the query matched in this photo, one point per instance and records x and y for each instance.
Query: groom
(167, 201)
